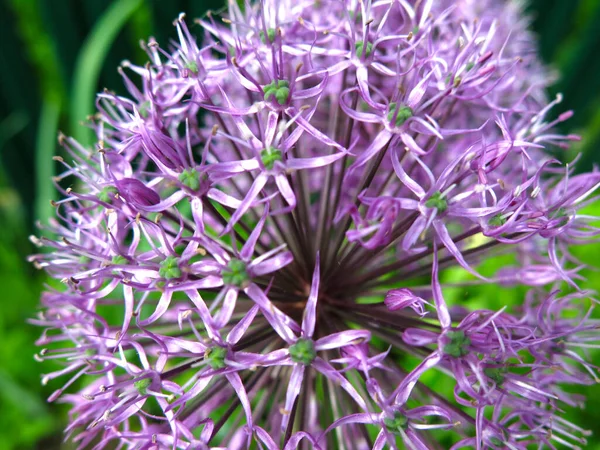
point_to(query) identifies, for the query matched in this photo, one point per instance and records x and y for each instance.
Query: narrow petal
(311, 163)
(341, 339)
(248, 248)
(236, 382)
(226, 311)
(310, 129)
(278, 320)
(207, 319)
(128, 309)
(241, 327)
(403, 391)
(362, 78)
(446, 239)
(417, 92)
(310, 311)
(223, 199)
(285, 189)
(293, 389)
(326, 369)
(440, 303)
(411, 144)
(161, 308)
(272, 264)
(382, 139)
(266, 439)
(406, 179)
(255, 189)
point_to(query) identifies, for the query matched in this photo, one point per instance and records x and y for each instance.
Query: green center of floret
(279, 89)
(235, 274)
(497, 221)
(192, 66)
(215, 357)
(106, 194)
(190, 178)
(397, 424)
(437, 201)
(360, 48)
(142, 385)
(303, 352)
(169, 268)
(270, 35)
(496, 374)
(458, 345)
(401, 112)
(269, 156)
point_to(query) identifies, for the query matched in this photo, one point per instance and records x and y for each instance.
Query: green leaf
(12, 125)
(89, 64)
(44, 165)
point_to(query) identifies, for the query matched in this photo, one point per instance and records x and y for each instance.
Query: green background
(55, 54)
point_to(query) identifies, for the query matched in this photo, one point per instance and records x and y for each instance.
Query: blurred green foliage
(569, 41)
(55, 54)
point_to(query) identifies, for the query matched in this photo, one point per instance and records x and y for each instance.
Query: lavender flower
(255, 254)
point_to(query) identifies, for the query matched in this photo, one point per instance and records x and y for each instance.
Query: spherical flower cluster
(255, 254)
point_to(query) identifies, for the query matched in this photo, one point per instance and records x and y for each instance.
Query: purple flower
(258, 255)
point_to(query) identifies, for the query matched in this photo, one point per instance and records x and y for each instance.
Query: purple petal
(286, 190)
(226, 311)
(241, 327)
(248, 248)
(238, 387)
(161, 308)
(137, 193)
(380, 141)
(417, 92)
(326, 369)
(311, 163)
(440, 303)
(310, 129)
(293, 389)
(404, 298)
(278, 320)
(268, 263)
(362, 76)
(341, 339)
(310, 311)
(403, 391)
(257, 186)
(444, 236)
(266, 438)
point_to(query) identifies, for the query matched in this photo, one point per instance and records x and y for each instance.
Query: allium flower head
(255, 253)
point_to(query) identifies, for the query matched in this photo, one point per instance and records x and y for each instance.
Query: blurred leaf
(44, 165)
(141, 29)
(12, 125)
(89, 64)
(24, 417)
(39, 47)
(28, 402)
